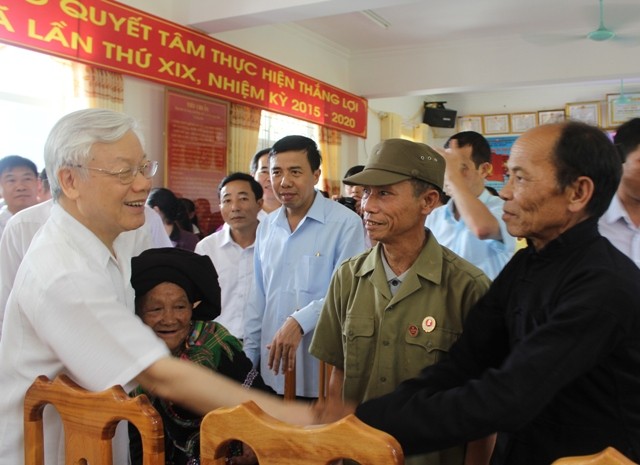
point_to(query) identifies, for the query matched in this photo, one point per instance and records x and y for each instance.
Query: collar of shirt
(316, 212)
(81, 238)
(227, 240)
(616, 212)
(576, 237)
(428, 265)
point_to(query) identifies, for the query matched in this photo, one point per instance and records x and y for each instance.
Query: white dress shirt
(234, 266)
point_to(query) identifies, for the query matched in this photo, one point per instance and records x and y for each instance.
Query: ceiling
(427, 22)
(476, 44)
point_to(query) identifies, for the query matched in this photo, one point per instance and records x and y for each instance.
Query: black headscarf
(192, 272)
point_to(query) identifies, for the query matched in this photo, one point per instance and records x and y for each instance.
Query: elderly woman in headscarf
(178, 296)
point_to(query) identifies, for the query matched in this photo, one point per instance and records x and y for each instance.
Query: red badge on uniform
(413, 331)
(429, 324)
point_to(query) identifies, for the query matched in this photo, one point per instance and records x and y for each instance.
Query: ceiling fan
(603, 32)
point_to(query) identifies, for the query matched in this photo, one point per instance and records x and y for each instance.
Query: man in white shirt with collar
(231, 248)
(621, 222)
(19, 186)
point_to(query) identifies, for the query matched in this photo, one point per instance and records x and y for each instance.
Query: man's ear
(69, 180)
(485, 169)
(580, 193)
(430, 199)
(260, 203)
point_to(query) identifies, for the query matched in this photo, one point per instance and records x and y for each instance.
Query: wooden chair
(609, 456)
(275, 442)
(323, 382)
(89, 420)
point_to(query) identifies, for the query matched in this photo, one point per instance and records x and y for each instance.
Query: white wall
(144, 101)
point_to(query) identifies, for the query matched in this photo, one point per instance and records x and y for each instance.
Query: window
(35, 91)
(274, 127)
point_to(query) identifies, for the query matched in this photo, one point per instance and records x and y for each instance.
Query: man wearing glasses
(71, 307)
(23, 226)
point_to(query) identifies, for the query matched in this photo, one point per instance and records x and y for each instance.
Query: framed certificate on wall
(587, 112)
(496, 124)
(521, 122)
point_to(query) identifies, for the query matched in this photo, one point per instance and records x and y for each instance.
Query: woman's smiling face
(167, 310)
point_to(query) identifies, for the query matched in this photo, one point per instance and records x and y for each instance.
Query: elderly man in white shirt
(621, 222)
(71, 309)
(231, 248)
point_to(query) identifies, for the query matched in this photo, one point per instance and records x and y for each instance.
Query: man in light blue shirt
(621, 222)
(471, 222)
(297, 249)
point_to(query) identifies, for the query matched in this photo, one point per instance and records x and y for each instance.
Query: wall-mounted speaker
(439, 117)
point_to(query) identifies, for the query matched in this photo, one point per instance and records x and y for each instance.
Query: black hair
(253, 167)
(420, 186)
(238, 176)
(172, 208)
(298, 144)
(353, 170)
(585, 150)
(627, 138)
(480, 149)
(14, 161)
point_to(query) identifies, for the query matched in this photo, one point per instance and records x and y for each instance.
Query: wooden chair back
(90, 420)
(609, 456)
(276, 442)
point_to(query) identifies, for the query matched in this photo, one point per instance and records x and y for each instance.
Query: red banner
(110, 35)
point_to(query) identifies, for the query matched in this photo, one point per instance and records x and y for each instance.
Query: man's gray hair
(72, 137)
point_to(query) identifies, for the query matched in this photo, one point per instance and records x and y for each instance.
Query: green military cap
(396, 160)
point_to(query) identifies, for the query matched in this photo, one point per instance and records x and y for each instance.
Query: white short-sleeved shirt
(234, 266)
(71, 311)
(23, 226)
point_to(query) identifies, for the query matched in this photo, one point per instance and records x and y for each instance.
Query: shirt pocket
(428, 348)
(314, 276)
(358, 342)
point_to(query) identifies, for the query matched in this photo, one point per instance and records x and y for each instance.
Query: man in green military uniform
(398, 307)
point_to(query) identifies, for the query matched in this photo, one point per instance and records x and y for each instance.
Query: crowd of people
(437, 331)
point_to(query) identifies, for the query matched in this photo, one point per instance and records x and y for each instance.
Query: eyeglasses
(127, 175)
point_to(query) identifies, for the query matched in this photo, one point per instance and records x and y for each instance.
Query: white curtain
(330, 143)
(244, 131)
